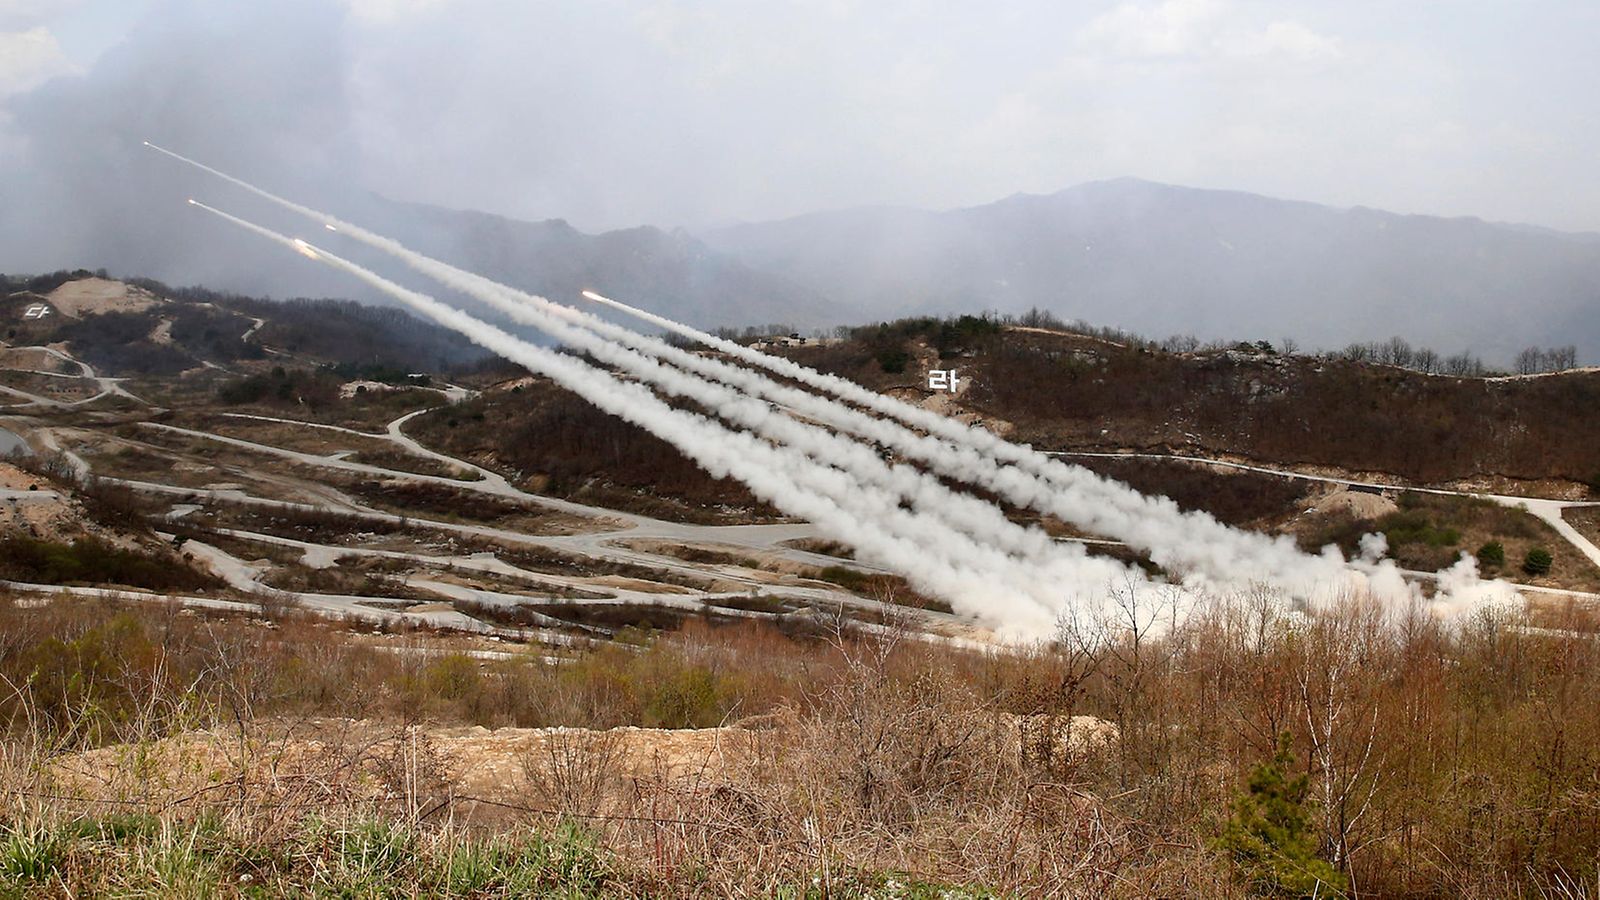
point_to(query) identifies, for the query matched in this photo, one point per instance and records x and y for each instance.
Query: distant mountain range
(671, 272)
(1150, 258)
(1159, 260)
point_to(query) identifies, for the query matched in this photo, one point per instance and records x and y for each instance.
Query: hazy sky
(673, 112)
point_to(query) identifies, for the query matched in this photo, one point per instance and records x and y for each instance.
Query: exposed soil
(98, 295)
(1586, 519)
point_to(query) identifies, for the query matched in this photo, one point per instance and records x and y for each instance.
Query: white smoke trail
(983, 584)
(613, 344)
(1194, 543)
(981, 520)
(1209, 554)
(1095, 514)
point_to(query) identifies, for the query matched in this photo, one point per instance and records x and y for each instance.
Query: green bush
(92, 680)
(688, 698)
(1491, 555)
(90, 560)
(893, 360)
(1269, 835)
(955, 335)
(846, 577)
(454, 676)
(1537, 562)
(1414, 527)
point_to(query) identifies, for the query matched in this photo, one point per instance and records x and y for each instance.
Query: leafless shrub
(412, 771)
(575, 772)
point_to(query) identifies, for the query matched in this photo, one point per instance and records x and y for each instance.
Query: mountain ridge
(1135, 180)
(1162, 259)
(1138, 255)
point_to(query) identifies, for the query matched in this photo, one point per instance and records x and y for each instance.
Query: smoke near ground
(947, 543)
(978, 580)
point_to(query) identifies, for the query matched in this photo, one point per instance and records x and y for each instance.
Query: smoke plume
(1205, 553)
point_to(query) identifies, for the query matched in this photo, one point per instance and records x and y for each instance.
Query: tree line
(1396, 351)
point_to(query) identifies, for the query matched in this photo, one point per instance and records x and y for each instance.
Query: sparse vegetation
(339, 331)
(706, 555)
(824, 547)
(362, 578)
(881, 586)
(1236, 498)
(442, 501)
(1430, 531)
(886, 343)
(119, 342)
(1088, 388)
(553, 442)
(281, 387)
(1403, 758)
(1585, 519)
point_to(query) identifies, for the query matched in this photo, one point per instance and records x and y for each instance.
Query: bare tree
(1426, 361)
(1463, 365)
(1357, 352)
(1529, 360)
(1398, 351)
(1337, 670)
(1181, 343)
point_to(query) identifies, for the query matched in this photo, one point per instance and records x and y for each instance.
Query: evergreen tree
(1491, 555)
(1537, 562)
(1270, 837)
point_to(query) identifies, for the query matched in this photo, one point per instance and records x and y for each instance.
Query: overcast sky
(611, 114)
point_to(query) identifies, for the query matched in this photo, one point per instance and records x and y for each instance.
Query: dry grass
(66, 390)
(350, 577)
(1443, 760)
(451, 504)
(893, 798)
(822, 546)
(1586, 519)
(1430, 531)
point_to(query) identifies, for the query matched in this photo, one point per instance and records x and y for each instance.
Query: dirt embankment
(39, 512)
(90, 296)
(516, 770)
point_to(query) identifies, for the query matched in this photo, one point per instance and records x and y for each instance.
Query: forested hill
(1099, 389)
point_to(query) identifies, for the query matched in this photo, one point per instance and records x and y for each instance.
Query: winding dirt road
(609, 542)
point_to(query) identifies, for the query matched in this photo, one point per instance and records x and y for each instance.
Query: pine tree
(1537, 562)
(1269, 834)
(1491, 555)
